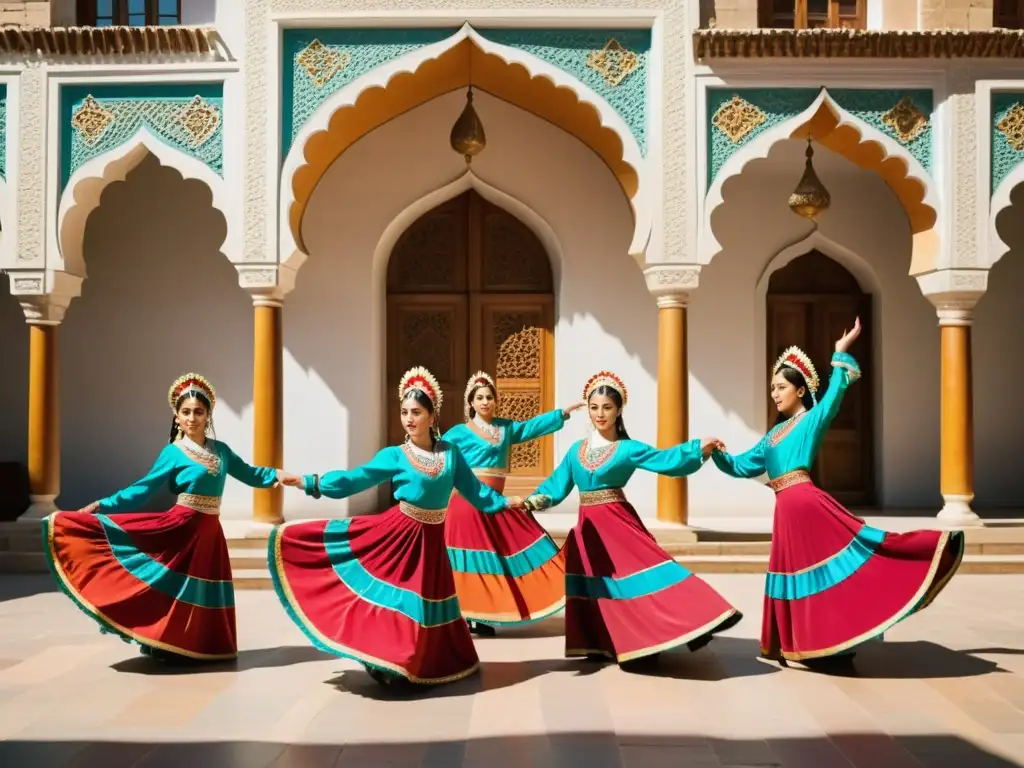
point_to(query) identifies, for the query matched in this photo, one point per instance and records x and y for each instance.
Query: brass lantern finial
(810, 199)
(467, 137)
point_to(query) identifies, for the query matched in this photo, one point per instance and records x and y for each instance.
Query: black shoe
(839, 663)
(700, 642)
(379, 675)
(483, 630)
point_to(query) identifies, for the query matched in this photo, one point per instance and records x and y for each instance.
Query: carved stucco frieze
(954, 293)
(963, 201)
(679, 230)
(268, 285)
(32, 166)
(44, 296)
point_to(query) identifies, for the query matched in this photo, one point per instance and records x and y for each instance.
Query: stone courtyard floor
(945, 689)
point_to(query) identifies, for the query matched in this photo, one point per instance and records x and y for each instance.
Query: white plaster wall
(333, 335)
(727, 329)
(14, 384)
(160, 300)
(999, 371)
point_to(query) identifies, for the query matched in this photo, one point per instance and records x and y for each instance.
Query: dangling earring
(408, 437)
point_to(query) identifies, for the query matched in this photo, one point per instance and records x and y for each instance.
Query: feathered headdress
(423, 380)
(605, 379)
(794, 357)
(190, 382)
(478, 379)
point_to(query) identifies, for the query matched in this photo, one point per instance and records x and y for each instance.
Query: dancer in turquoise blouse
(627, 599)
(379, 588)
(507, 569)
(833, 581)
(161, 579)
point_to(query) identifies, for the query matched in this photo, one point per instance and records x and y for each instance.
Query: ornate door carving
(810, 302)
(470, 287)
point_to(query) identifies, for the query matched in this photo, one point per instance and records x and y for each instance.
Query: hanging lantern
(810, 199)
(467, 137)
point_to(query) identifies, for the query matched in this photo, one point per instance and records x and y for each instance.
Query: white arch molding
(642, 203)
(759, 148)
(1001, 200)
(82, 194)
(866, 278)
(409, 216)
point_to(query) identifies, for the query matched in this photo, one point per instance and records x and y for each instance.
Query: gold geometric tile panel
(1012, 127)
(322, 63)
(91, 120)
(199, 119)
(614, 63)
(905, 119)
(737, 118)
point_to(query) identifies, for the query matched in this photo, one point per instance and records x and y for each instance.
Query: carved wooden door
(470, 288)
(810, 302)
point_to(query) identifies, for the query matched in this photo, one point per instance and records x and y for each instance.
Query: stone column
(267, 383)
(954, 294)
(670, 284)
(44, 314)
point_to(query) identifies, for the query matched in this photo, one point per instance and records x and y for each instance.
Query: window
(1008, 14)
(128, 13)
(812, 14)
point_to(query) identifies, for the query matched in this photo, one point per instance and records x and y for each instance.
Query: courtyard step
(989, 551)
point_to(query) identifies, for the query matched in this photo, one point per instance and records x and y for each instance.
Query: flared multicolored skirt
(160, 579)
(627, 597)
(376, 589)
(834, 582)
(507, 568)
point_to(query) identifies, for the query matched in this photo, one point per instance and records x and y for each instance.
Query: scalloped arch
(82, 194)
(860, 143)
(462, 60)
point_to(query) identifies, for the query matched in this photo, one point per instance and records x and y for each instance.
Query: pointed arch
(864, 145)
(81, 196)
(465, 58)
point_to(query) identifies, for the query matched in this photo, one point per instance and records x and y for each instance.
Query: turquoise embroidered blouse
(411, 484)
(179, 470)
(794, 443)
(612, 466)
(481, 453)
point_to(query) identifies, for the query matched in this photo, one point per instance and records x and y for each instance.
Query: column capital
(954, 293)
(267, 284)
(44, 295)
(671, 284)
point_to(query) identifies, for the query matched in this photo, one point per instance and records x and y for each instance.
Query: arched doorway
(469, 287)
(810, 301)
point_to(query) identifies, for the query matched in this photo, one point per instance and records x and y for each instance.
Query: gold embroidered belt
(606, 496)
(421, 515)
(788, 480)
(209, 505)
(489, 472)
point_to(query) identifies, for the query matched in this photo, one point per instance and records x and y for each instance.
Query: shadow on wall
(599, 289)
(14, 382)
(593, 748)
(999, 369)
(753, 225)
(160, 300)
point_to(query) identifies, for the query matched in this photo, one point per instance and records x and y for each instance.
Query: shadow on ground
(14, 586)
(259, 658)
(563, 750)
(918, 660)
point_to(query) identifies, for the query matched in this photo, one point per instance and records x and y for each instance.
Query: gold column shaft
(673, 406)
(268, 407)
(957, 451)
(43, 412)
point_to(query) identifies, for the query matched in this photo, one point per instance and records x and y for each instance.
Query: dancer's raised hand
(848, 337)
(709, 445)
(574, 407)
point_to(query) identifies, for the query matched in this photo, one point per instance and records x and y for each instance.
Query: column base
(957, 512)
(40, 507)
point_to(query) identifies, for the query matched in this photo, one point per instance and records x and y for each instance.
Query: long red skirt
(507, 568)
(160, 579)
(627, 597)
(377, 589)
(834, 582)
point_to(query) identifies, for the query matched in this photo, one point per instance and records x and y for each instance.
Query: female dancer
(833, 581)
(161, 579)
(507, 568)
(627, 598)
(379, 589)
